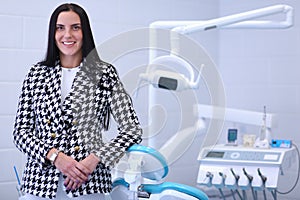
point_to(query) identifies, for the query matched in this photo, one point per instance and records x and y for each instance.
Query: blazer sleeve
(24, 133)
(129, 130)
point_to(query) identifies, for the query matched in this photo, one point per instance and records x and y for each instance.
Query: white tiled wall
(258, 67)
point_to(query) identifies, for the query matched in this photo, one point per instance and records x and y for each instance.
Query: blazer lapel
(52, 97)
(79, 101)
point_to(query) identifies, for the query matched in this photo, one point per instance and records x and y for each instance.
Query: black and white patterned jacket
(74, 126)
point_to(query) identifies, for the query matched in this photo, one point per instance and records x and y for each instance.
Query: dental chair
(139, 176)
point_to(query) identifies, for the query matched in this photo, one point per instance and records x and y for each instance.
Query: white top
(67, 78)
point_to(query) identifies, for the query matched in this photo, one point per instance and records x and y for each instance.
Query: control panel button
(235, 155)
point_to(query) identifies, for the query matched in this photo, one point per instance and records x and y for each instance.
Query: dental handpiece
(237, 177)
(209, 175)
(250, 178)
(263, 178)
(223, 177)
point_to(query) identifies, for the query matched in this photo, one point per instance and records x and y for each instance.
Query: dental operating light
(167, 79)
(170, 79)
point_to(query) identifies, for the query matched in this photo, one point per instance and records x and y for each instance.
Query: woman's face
(68, 35)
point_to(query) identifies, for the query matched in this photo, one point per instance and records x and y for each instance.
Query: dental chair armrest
(158, 188)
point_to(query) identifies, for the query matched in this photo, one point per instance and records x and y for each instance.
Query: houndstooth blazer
(74, 126)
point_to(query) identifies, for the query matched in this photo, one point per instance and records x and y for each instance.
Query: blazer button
(53, 135)
(75, 122)
(77, 148)
(48, 121)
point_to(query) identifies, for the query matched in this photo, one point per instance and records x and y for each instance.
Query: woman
(65, 105)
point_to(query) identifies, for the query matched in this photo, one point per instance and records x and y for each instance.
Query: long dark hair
(88, 45)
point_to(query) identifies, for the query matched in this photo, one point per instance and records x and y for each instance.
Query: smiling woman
(65, 104)
(68, 39)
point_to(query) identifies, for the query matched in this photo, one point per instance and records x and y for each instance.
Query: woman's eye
(77, 27)
(59, 28)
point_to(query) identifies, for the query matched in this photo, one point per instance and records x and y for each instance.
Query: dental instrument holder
(264, 139)
(255, 169)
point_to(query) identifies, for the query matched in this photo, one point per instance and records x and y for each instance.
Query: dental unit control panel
(243, 167)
